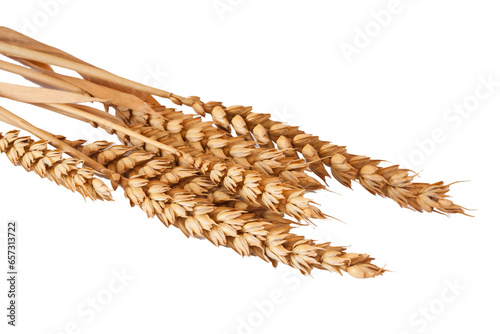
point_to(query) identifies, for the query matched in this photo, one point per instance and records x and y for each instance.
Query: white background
(284, 58)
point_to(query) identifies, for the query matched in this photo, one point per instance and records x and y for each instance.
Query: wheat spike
(392, 182)
(247, 233)
(34, 156)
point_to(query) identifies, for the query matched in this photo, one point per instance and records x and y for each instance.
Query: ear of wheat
(34, 156)
(246, 190)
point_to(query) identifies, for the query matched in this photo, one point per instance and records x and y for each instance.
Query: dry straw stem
(39, 78)
(41, 95)
(39, 53)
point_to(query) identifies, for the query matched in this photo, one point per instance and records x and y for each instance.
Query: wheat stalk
(237, 191)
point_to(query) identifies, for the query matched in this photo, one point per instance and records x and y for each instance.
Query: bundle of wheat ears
(238, 179)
